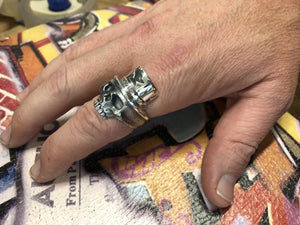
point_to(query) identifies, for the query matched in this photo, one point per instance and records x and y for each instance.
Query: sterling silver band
(125, 99)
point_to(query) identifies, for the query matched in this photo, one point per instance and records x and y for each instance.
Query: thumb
(246, 121)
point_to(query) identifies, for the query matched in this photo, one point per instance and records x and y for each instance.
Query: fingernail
(225, 187)
(35, 169)
(22, 95)
(5, 136)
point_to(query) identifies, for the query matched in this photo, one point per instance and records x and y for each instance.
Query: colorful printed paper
(141, 181)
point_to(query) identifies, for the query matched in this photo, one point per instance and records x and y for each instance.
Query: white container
(36, 12)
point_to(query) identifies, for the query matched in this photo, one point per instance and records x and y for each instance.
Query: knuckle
(70, 53)
(59, 83)
(147, 27)
(143, 31)
(19, 121)
(279, 94)
(89, 125)
(51, 155)
(51, 152)
(176, 56)
(240, 155)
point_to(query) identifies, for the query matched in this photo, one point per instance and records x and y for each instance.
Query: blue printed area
(141, 199)
(7, 178)
(138, 193)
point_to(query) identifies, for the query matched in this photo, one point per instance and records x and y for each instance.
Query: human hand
(193, 51)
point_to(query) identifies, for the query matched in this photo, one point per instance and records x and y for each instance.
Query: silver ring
(126, 99)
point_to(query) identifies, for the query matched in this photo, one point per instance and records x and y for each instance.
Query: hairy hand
(193, 51)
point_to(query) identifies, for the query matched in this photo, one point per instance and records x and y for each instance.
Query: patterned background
(147, 178)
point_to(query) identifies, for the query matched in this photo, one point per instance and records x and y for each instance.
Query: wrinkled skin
(193, 51)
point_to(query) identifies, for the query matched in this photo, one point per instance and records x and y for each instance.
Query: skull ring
(125, 99)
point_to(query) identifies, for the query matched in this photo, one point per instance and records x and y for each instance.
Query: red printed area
(8, 85)
(252, 211)
(10, 103)
(8, 91)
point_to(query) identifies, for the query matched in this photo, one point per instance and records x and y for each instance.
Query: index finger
(84, 133)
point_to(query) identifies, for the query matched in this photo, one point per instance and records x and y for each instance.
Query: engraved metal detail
(125, 99)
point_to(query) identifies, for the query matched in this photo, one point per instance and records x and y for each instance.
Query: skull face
(111, 103)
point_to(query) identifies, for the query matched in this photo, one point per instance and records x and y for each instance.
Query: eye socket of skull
(117, 102)
(108, 87)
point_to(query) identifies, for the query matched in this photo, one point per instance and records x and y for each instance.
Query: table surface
(9, 26)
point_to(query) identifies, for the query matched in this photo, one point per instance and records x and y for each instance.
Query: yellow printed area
(291, 125)
(162, 170)
(35, 34)
(123, 17)
(105, 15)
(49, 52)
(270, 213)
(139, 4)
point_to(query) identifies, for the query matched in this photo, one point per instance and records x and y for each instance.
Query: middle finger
(72, 84)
